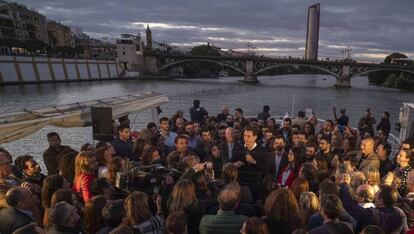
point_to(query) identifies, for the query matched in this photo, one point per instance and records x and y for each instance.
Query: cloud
(372, 28)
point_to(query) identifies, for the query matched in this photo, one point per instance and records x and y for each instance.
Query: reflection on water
(309, 91)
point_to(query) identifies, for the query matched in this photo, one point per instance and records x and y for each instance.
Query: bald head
(365, 193)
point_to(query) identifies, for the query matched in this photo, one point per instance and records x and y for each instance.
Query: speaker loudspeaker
(102, 126)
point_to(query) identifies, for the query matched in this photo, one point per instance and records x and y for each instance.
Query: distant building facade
(95, 48)
(60, 35)
(130, 51)
(312, 33)
(19, 22)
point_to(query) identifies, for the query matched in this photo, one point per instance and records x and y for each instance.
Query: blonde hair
(308, 205)
(82, 163)
(183, 195)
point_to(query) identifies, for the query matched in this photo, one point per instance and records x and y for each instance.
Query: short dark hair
(252, 129)
(162, 119)
(122, 127)
(328, 187)
(288, 120)
(188, 123)
(20, 162)
(52, 134)
(386, 113)
(180, 137)
(196, 103)
(151, 125)
(266, 108)
(301, 114)
(388, 194)
(387, 147)
(280, 137)
(331, 205)
(15, 195)
(239, 110)
(113, 212)
(122, 118)
(372, 229)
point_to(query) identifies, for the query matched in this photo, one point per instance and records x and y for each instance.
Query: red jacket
(292, 175)
(82, 186)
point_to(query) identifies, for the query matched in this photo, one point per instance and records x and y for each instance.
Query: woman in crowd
(117, 164)
(51, 184)
(183, 198)
(214, 156)
(139, 216)
(405, 162)
(291, 171)
(92, 215)
(308, 205)
(104, 155)
(138, 149)
(282, 212)
(299, 186)
(85, 169)
(254, 225)
(151, 156)
(309, 129)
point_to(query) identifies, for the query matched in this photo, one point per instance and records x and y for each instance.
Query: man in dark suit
(251, 162)
(276, 160)
(231, 150)
(22, 203)
(330, 210)
(286, 131)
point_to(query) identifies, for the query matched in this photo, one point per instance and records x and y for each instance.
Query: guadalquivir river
(309, 91)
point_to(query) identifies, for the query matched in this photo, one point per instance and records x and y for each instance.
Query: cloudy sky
(372, 28)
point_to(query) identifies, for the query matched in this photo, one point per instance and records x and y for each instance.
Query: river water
(308, 91)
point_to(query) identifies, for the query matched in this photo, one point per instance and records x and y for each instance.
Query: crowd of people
(224, 173)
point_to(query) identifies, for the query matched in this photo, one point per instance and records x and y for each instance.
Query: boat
(14, 126)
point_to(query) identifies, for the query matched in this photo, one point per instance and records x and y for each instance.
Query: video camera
(147, 178)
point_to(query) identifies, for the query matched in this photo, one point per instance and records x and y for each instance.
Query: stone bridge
(252, 66)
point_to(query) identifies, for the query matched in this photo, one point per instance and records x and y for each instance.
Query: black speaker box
(102, 123)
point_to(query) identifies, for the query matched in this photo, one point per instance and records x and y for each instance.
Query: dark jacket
(51, 158)
(236, 153)
(316, 220)
(280, 227)
(64, 230)
(269, 166)
(124, 149)
(224, 222)
(12, 219)
(197, 114)
(390, 219)
(384, 125)
(333, 227)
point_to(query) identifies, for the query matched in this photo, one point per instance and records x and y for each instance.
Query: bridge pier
(250, 77)
(344, 79)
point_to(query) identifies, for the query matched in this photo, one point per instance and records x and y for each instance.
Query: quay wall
(21, 70)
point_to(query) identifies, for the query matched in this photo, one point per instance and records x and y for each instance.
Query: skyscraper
(312, 33)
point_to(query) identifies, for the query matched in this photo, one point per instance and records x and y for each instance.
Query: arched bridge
(252, 66)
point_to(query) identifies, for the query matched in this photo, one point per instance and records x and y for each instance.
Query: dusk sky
(372, 28)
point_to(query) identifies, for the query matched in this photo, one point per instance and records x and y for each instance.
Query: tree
(205, 50)
(388, 59)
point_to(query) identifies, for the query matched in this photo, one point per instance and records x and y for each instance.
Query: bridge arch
(382, 69)
(302, 65)
(173, 64)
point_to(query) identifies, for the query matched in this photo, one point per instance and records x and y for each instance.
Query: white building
(130, 52)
